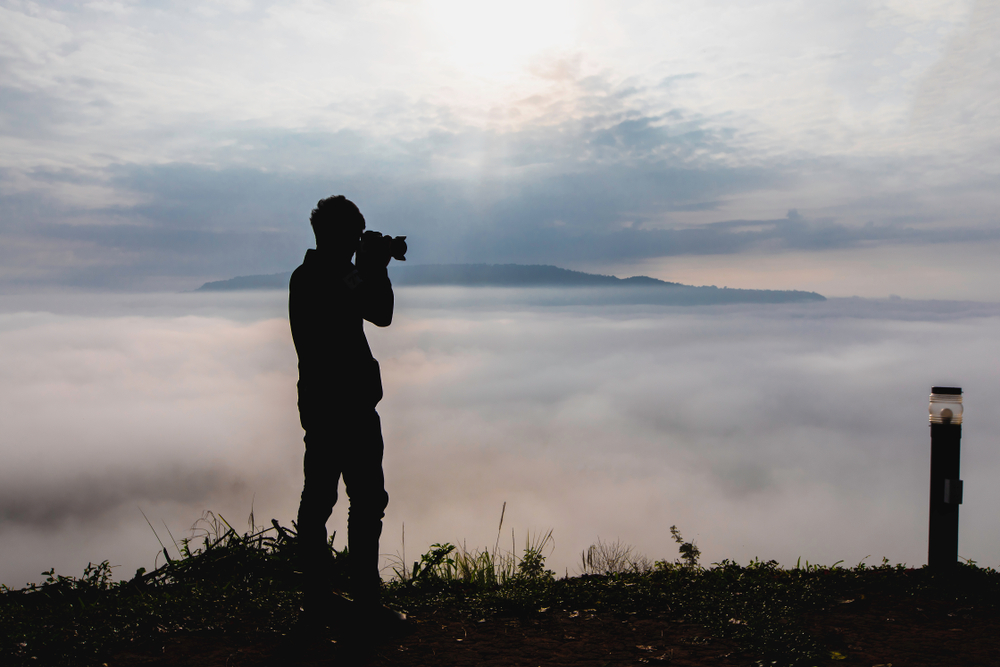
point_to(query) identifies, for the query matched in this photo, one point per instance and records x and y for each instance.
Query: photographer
(339, 387)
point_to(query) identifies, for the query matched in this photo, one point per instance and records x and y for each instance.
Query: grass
(247, 584)
(480, 568)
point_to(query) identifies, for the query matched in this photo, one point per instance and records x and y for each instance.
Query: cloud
(115, 404)
(132, 164)
(90, 498)
(768, 432)
(762, 431)
(30, 114)
(155, 401)
(194, 223)
(191, 221)
(186, 219)
(950, 107)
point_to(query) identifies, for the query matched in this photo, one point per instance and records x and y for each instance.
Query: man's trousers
(348, 443)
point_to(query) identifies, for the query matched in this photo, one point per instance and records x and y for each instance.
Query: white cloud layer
(761, 431)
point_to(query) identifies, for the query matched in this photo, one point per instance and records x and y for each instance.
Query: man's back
(328, 301)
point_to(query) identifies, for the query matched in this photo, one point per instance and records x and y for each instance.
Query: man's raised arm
(377, 299)
(373, 258)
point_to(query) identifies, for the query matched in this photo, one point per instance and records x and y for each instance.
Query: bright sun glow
(500, 38)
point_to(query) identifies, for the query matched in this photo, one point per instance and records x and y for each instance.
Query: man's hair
(336, 219)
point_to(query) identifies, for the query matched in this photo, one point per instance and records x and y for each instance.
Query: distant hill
(510, 275)
(268, 281)
(637, 289)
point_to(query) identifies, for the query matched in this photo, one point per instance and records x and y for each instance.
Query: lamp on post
(946, 487)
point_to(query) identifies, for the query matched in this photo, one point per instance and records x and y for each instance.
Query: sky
(850, 148)
(847, 148)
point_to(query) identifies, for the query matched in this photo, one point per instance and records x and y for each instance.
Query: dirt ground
(876, 632)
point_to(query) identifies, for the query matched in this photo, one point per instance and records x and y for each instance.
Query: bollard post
(946, 487)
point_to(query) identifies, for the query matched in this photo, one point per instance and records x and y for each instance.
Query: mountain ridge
(635, 289)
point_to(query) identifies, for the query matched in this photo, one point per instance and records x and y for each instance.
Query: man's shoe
(320, 612)
(375, 624)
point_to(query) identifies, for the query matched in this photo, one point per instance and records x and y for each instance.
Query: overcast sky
(849, 147)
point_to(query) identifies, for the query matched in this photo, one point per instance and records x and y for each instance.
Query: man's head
(338, 224)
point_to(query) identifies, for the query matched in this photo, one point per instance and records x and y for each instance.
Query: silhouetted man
(339, 387)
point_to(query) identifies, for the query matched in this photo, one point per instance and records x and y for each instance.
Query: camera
(377, 244)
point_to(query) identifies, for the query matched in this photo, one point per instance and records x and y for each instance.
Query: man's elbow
(380, 311)
(382, 319)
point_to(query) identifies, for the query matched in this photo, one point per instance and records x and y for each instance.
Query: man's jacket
(328, 299)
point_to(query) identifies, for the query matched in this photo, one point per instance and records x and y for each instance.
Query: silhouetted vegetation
(248, 585)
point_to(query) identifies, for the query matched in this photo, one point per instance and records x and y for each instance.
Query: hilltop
(235, 601)
(602, 289)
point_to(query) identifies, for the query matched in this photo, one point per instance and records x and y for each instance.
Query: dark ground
(881, 630)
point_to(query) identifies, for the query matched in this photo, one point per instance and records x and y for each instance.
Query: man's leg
(319, 494)
(365, 483)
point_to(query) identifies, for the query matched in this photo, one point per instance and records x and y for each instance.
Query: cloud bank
(783, 431)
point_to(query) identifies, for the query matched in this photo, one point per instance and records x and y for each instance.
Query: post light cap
(946, 405)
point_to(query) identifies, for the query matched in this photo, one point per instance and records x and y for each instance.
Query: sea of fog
(774, 432)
